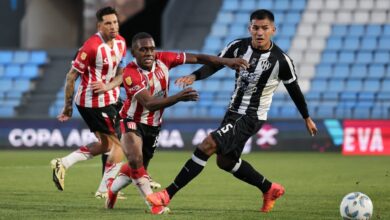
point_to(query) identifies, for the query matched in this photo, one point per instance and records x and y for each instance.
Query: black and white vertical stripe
(255, 86)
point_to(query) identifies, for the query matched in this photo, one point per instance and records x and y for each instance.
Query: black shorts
(234, 132)
(148, 134)
(101, 119)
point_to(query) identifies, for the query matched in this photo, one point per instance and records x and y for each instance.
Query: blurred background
(340, 48)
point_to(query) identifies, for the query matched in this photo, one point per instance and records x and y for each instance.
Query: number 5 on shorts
(226, 128)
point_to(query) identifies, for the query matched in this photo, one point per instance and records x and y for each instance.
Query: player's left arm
(290, 81)
(297, 96)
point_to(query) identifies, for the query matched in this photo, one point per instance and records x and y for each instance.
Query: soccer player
(247, 111)
(99, 63)
(146, 81)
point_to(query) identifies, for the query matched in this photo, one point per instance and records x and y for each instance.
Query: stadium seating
(353, 64)
(340, 48)
(231, 23)
(18, 70)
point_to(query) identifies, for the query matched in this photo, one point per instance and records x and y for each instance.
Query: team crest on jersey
(128, 81)
(83, 55)
(265, 64)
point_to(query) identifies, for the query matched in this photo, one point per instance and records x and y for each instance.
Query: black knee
(225, 163)
(147, 156)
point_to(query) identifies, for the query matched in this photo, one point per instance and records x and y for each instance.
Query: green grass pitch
(315, 184)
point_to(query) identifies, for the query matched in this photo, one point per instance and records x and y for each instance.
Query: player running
(146, 81)
(247, 111)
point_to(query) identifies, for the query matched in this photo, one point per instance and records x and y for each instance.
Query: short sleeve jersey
(156, 82)
(97, 61)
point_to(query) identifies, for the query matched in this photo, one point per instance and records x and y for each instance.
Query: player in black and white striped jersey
(247, 111)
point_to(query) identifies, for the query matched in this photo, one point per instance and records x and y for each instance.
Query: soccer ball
(356, 206)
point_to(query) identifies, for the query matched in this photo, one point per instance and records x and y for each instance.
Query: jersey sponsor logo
(83, 55)
(80, 64)
(253, 62)
(135, 88)
(128, 80)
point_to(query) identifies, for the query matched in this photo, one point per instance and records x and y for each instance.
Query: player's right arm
(67, 111)
(199, 74)
(208, 70)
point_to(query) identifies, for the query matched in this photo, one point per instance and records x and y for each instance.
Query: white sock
(76, 156)
(110, 171)
(120, 182)
(143, 186)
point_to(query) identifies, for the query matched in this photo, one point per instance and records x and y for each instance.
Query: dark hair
(262, 14)
(140, 35)
(105, 11)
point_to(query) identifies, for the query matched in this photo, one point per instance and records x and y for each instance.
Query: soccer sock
(110, 171)
(141, 180)
(189, 171)
(81, 154)
(104, 160)
(245, 172)
(122, 180)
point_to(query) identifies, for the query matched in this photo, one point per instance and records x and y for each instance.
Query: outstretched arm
(199, 74)
(67, 111)
(296, 95)
(213, 64)
(99, 86)
(216, 61)
(154, 104)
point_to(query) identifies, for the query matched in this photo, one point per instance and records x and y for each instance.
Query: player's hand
(311, 126)
(188, 94)
(236, 63)
(185, 81)
(66, 114)
(98, 87)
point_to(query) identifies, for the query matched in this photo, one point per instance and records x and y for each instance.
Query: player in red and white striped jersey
(146, 81)
(156, 81)
(99, 63)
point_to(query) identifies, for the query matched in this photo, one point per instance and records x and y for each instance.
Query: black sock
(190, 170)
(249, 175)
(104, 160)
